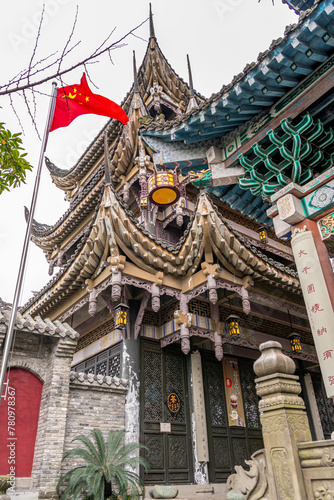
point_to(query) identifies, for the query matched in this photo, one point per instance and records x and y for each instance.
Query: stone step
(31, 494)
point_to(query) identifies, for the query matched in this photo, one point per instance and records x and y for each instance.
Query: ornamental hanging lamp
(233, 323)
(163, 187)
(295, 342)
(263, 233)
(121, 316)
(294, 338)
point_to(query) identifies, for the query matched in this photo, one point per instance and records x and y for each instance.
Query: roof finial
(135, 76)
(190, 77)
(152, 34)
(107, 180)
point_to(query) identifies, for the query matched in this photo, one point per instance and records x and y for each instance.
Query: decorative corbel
(208, 271)
(140, 314)
(92, 306)
(179, 215)
(218, 341)
(126, 192)
(51, 267)
(247, 282)
(117, 264)
(59, 262)
(245, 301)
(155, 291)
(183, 318)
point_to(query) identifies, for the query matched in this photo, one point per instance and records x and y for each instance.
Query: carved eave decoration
(115, 231)
(207, 235)
(123, 154)
(155, 69)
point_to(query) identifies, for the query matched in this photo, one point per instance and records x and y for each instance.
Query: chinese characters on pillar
(199, 408)
(317, 301)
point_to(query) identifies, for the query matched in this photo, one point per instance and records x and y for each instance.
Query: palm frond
(108, 466)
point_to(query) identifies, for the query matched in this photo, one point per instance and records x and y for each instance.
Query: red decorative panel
(19, 414)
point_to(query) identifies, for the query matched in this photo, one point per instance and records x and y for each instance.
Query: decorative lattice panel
(199, 307)
(250, 398)
(325, 405)
(95, 334)
(167, 312)
(150, 318)
(215, 391)
(153, 400)
(106, 363)
(175, 382)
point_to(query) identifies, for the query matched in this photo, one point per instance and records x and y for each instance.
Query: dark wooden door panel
(229, 446)
(170, 456)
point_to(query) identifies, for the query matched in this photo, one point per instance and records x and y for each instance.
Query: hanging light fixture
(121, 315)
(294, 338)
(295, 342)
(263, 233)
(233, 325)
(163, 187)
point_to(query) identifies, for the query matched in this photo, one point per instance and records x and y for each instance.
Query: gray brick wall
(72, 403)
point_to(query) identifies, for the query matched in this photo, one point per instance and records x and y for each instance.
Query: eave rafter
(208, 234)
(115, 231)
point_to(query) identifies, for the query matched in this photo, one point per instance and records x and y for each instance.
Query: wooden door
(170, 457)
(229, 446)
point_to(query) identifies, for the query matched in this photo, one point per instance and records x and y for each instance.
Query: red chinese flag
(76, 100)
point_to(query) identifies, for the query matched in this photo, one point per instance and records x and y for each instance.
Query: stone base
(24, 494)
(212, 491)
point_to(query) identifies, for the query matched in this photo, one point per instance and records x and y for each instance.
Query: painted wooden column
(322, 254)
(312, 270)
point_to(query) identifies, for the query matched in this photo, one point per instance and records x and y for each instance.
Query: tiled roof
(261, 83)
(37, 325)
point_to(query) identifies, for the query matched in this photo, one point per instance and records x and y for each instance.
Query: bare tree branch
(59, 74)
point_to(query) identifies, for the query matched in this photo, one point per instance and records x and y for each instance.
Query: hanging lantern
(263, 235)
(295, 342)
(121, 315)
(163, 188)
(233, 325)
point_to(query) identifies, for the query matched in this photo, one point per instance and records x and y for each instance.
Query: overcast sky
(220, 36)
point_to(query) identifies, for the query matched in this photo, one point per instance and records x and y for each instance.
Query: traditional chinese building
(174, 259)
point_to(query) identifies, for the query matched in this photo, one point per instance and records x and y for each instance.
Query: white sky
(221, 37)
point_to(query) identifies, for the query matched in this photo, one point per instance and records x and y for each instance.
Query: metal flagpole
(18, 289)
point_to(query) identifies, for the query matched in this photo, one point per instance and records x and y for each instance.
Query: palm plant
(108, 469)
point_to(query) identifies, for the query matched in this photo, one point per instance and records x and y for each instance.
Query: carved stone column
(284, 421)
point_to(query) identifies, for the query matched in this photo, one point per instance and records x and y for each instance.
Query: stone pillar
(130, 372)
(284, 421)
(198, 421)
(317, 296)
(50, 438)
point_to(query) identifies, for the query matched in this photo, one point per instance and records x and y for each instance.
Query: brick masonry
(72, 403)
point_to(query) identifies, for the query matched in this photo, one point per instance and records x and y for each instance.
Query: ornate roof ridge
(42, 230)
(62, 271)
(168, 246)
(103, 380)
(255, 250)
(237, 255)
(97, 142)
(37, 325)
(237, 79)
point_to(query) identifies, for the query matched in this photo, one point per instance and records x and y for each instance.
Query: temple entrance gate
(229, 445)
(166, 433)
